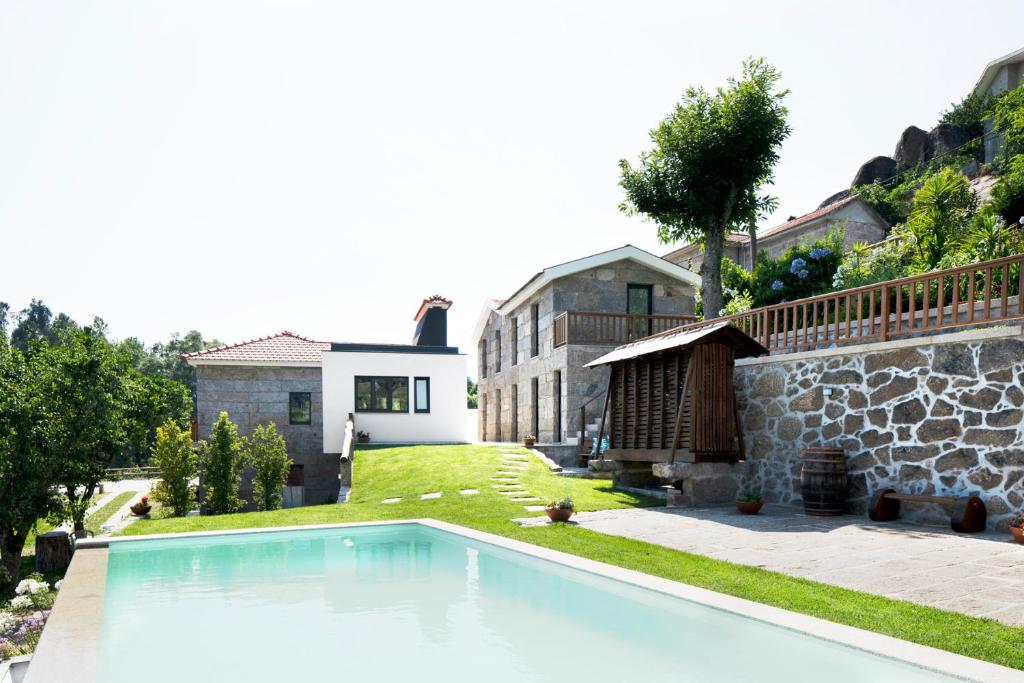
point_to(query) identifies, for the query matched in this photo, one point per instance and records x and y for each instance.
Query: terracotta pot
(749, 507)
(559, 514)
(529, 442)
(1018, 534)
(140, 509)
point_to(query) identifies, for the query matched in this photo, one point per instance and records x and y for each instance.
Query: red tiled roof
(807, 217)
(282, 347)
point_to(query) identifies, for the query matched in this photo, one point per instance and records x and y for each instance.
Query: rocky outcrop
(946, 138)
(912, 149)
(842, 194)
(877, 168)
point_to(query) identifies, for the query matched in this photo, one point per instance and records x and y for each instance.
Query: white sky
(246, 167)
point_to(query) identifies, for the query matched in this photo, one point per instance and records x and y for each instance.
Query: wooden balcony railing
(969, 296)
(583, 327)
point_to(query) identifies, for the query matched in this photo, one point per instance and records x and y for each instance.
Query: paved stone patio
(979, 574)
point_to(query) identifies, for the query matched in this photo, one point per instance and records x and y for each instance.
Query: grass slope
(411, 471)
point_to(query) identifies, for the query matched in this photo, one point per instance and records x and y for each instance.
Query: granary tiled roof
(284, 347)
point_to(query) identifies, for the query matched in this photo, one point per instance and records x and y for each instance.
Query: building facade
(532, 347)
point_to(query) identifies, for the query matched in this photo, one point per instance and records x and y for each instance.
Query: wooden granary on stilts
(671, 398)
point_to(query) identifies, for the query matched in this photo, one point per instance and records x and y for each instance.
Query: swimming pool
(426, 601)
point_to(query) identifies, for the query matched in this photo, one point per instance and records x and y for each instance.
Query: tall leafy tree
(267, 455)
(710, 156)
(221, 465)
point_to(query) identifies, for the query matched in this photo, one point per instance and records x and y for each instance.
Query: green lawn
(411, 471)
(97, 519)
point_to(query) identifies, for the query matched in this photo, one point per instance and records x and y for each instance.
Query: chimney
(432, 322)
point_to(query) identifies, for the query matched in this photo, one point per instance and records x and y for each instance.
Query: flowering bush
(802, 270)
(21, 602)
(31, 587)
(23, 619)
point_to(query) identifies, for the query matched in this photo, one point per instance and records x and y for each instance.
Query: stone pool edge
(71, 651)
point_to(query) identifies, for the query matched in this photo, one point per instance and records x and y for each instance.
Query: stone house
(860, 221)
(399, 393)
(1002, 74)
(534, 345)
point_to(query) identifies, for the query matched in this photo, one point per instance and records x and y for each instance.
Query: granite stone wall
(254, 395)
(936, 417)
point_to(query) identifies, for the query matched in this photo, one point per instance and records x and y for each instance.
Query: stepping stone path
(469, 492)
(430, 496)
(513, 464)
(391, 500)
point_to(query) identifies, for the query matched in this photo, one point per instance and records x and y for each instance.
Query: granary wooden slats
(676, 401)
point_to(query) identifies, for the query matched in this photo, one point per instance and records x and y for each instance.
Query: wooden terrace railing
(587, 327)
(969, 296)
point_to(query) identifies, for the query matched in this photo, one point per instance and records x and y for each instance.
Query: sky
(244, 167)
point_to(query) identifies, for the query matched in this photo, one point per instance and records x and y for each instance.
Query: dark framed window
(483, 358)
(497, 351)
(497, 415)
(382, 394)
(639, 302)
(296, 476)
(515, 412)
(535, 408)
(557, 396)
(421, 394)
(300, 408)
(514, 335)
(534, 330)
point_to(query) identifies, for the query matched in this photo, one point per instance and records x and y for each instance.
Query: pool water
(407, 602)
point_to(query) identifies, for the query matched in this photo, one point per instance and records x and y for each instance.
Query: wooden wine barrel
(823, 481)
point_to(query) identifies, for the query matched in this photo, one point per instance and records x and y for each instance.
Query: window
(534, 330)
(515, 412)
(639, 302)
(300, 408)
(483, 417)
(421, 393)
(483, 358)
(535, 414)
(514, 335)
(296, 476)
(497, 415)
(497, 351)
(382, 394)
(557, 391)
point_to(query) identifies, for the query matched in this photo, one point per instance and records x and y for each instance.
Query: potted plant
(560, 510)
(363, 437)
(749, 502)
(1017, 528)
(529, 440)
(142, 507)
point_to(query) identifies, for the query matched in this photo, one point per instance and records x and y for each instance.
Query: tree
(153, 400)
(221, 466)
(710, 156)
(471, 391)
(174, 455)
(1007, 116)
(267, 454)
(941, 212)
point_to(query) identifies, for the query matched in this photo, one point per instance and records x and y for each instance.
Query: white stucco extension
(446, 421)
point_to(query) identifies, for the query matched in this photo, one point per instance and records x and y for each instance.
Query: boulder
(912, 148)
(842, 194)
(876, 168)
(946, 138)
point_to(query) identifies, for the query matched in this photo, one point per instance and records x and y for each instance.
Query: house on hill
(1000, 75)
(399, 393)
(534, 345)
(861, 222)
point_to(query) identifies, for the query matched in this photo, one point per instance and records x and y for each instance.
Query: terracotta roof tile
(283, 347)
(800, 220)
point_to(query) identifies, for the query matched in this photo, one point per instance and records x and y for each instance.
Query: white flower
(21, 602)
(31, 586)
(57, 585)
(7, 622)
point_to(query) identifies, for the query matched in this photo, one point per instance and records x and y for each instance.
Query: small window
(422, 394)
(497, 351)
(514, 336)
(296, 476)
(534, 330)
(483, 358)
(300, 408)
(382, 394)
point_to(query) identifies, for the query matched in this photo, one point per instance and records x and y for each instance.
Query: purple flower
(797, 265)
(819, 253)
(777, 285)
(803, 273)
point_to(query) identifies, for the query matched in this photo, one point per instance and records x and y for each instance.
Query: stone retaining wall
(936, 416)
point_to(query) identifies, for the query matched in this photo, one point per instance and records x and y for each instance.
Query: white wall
(446, 420)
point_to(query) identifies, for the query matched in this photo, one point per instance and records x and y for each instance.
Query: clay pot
(559, 514)
(141, 509)
(529, 441)
(749, 507)
(1018, 534)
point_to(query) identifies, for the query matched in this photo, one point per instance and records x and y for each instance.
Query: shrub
(969, 114)
(1007, 116)
(891, 260)
(803, 270)
(266, 452)
(221, 463)
(174, 455)
(942, 210)
(1008, 193)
